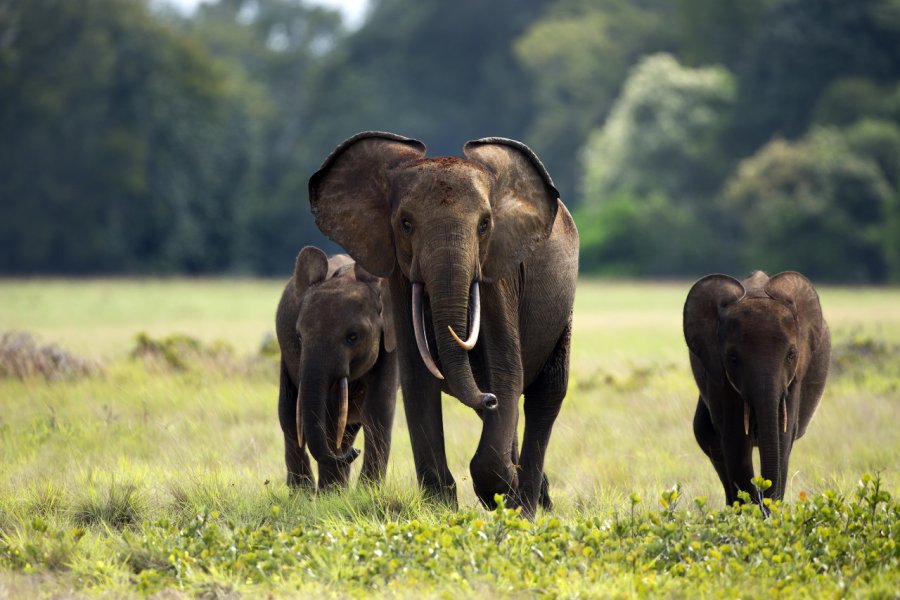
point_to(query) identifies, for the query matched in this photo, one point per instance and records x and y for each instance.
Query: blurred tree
(826, 205)
(652, 172)
(442, 72)
(717, 31)
(850, 99)
(277, 45)
(578, 55)
(803, 47)
(120, 147)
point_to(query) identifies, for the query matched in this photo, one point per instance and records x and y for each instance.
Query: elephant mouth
(467, 392)
(343, 394)
(419, 301)
(750, 421)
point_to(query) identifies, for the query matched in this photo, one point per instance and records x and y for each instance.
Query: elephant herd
(461, 279)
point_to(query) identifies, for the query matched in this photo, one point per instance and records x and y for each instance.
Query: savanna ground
(162, 474)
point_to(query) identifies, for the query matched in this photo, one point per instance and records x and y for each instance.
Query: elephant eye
(406, 225)
(732, 358)
(483, 226)
(791, 357)
(352, 338)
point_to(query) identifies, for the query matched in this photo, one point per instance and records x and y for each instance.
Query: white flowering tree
(652, 171)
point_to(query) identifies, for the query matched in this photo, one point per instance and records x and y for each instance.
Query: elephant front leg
(496, 361)
(492, 468)
(299, 470)
(738, 453)
(424, 420)
(708, 438)
(421, 403)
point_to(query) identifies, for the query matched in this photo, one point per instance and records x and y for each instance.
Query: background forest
(687, 136)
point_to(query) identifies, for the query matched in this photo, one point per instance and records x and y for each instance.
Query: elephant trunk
(451, 295)
(769, 417)
(315, 389)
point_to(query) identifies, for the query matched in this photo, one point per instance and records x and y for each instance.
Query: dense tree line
(688, 135)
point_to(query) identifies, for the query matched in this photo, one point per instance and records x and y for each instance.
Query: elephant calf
(338, 369)
(759, 351)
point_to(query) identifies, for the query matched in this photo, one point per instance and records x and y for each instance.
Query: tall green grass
(98, 473)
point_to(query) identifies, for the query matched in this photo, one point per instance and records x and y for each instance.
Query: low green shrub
(821, 544)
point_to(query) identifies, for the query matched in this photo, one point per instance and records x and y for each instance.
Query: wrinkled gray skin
(493, 218)
(329, 325)
(759, 348)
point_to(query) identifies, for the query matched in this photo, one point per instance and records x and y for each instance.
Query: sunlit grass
(110, 454)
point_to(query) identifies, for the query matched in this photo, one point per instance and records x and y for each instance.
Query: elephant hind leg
(299, 471)
(543, 400)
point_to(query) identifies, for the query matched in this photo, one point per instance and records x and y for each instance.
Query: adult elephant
(482, 261)
(759, 351)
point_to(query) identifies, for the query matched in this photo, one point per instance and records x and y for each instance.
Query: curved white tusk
(784, 411)
(299, 422)
(342, 413)
(746, 418)
(474, 320)
(418, 317)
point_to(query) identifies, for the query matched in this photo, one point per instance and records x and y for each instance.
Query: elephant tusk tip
(465, 345)
(746, 418)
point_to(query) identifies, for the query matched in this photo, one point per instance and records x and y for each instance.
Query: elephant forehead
(443, 181)
(762, 319)
(329, 303)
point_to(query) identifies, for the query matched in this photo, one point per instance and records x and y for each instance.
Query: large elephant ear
(523, 202)
(348, 195)
(704, 302)
(798, 293)
(387, 314)
(310, 268)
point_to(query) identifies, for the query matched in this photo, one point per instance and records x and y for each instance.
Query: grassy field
(147, 479)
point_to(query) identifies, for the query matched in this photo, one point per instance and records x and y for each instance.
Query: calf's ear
(798, 293)
(702, 308)
(310, 268)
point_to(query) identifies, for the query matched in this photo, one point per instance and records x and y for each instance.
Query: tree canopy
(687, 135)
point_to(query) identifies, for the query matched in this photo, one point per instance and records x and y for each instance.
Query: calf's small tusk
(746, 418)
(299, 422)
(342, 413)
(784, 412)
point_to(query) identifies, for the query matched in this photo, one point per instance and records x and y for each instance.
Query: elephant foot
(444, 495)
(298, 484)
(544, 499)
(492, 477)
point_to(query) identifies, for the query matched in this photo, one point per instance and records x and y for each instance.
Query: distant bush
(182, 353)
(861, 352)
(269, 347)
(827, 205)
(21, 357)
(179, 351)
